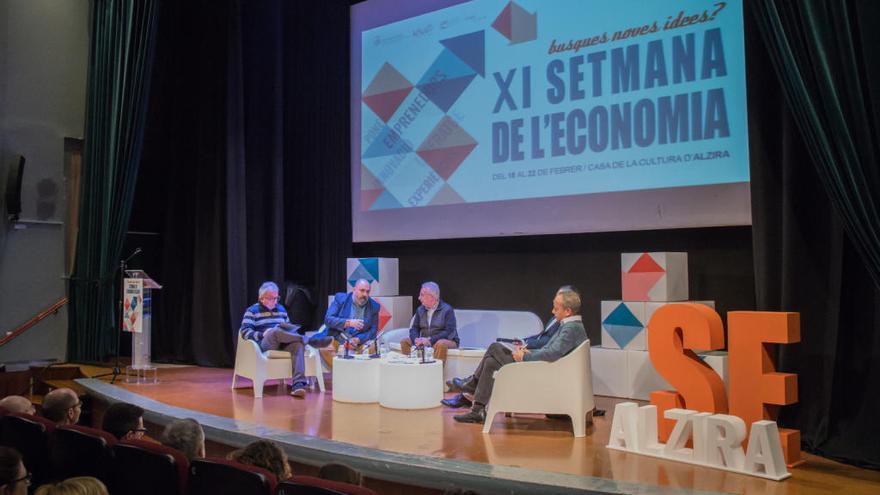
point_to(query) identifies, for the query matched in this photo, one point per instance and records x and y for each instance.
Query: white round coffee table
(410, 385)
(355, 380)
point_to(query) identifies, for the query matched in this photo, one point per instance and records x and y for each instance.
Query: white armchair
(258, 366)
(564, 386)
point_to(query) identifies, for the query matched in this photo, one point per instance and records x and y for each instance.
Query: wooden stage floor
(523, 441)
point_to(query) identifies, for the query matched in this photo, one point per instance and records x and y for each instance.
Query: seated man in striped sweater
(262, 323)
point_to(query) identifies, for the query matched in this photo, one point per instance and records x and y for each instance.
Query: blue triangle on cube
(372, 266)
(359, 273)
(622, 334)
(622, 316)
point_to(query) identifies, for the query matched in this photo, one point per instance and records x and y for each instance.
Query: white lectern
(137, 319)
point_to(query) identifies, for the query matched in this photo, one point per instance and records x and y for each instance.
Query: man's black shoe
(472, 416)
(457, 402)
(461, 384)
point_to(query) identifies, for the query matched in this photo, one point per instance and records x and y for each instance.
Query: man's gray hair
(266, 287)
(571, 300)
(432, 288)
(57, 402)
(185, 435)
(361, 281)
(568, 288)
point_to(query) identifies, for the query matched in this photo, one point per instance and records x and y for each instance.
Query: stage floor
(531, 442)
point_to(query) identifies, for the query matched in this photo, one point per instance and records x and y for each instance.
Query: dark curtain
(120, 61)
(813, 86)
(248, 167)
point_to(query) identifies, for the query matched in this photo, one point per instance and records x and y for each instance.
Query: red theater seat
(222, 477)
(147, 468)
(309, 485)
(81, 451)
(30, 436)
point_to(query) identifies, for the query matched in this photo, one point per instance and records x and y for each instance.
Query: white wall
(44, 48)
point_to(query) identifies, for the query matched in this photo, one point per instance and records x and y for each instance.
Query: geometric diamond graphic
(386, 91)
(359, 273)
(622, 334)
(637, 285)
(371, 188)
(516, 24)
(646, 264)
(622, 325)
(446, 147)
(385, 201)
(384, 317)
(470, 48)
(446, 196)
(446, 79)
(387, 143)
(621, 315)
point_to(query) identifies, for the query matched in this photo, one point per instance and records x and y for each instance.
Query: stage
(523, 454)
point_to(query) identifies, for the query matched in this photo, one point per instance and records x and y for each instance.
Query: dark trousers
(496, 356)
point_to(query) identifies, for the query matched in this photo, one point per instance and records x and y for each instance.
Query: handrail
(8, 336)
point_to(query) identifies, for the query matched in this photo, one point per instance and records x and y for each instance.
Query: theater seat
(222, 477)
(30, 436)
(81, 451)
(147, 468)
(309, 485)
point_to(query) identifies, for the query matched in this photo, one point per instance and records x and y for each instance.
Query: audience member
(82, 485)
(342, 473)
(62, 406)
(124, 421)
(17, 404)
(187, 436)
(264, 454)
(14, 478)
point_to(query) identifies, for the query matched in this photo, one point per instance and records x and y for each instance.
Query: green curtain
(120, 60)
(825, 53)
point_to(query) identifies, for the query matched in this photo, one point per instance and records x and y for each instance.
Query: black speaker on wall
(13, 190)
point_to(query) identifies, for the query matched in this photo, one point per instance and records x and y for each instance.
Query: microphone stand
(120, 316)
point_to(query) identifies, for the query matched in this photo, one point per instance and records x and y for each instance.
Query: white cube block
(380, 272)
(659, 276)
(642, 377)
(608, 367)
(394, 311)
(624, 325)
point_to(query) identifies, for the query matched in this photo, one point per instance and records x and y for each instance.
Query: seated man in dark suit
(353, 317)
(433, 325)
(571, 333)
(531, 343)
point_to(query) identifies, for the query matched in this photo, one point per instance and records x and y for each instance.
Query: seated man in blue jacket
(354, 317)
(531, 343)
(433, 325)
(571, 333)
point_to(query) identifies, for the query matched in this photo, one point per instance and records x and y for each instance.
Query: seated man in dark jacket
(532, 343)
(353, 317)
(433, 325)
(571, 333)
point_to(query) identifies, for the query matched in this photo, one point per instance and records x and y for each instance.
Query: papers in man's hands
(511, 344)
(289, 327)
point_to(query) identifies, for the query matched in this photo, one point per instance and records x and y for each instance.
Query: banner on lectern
(133, 306)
